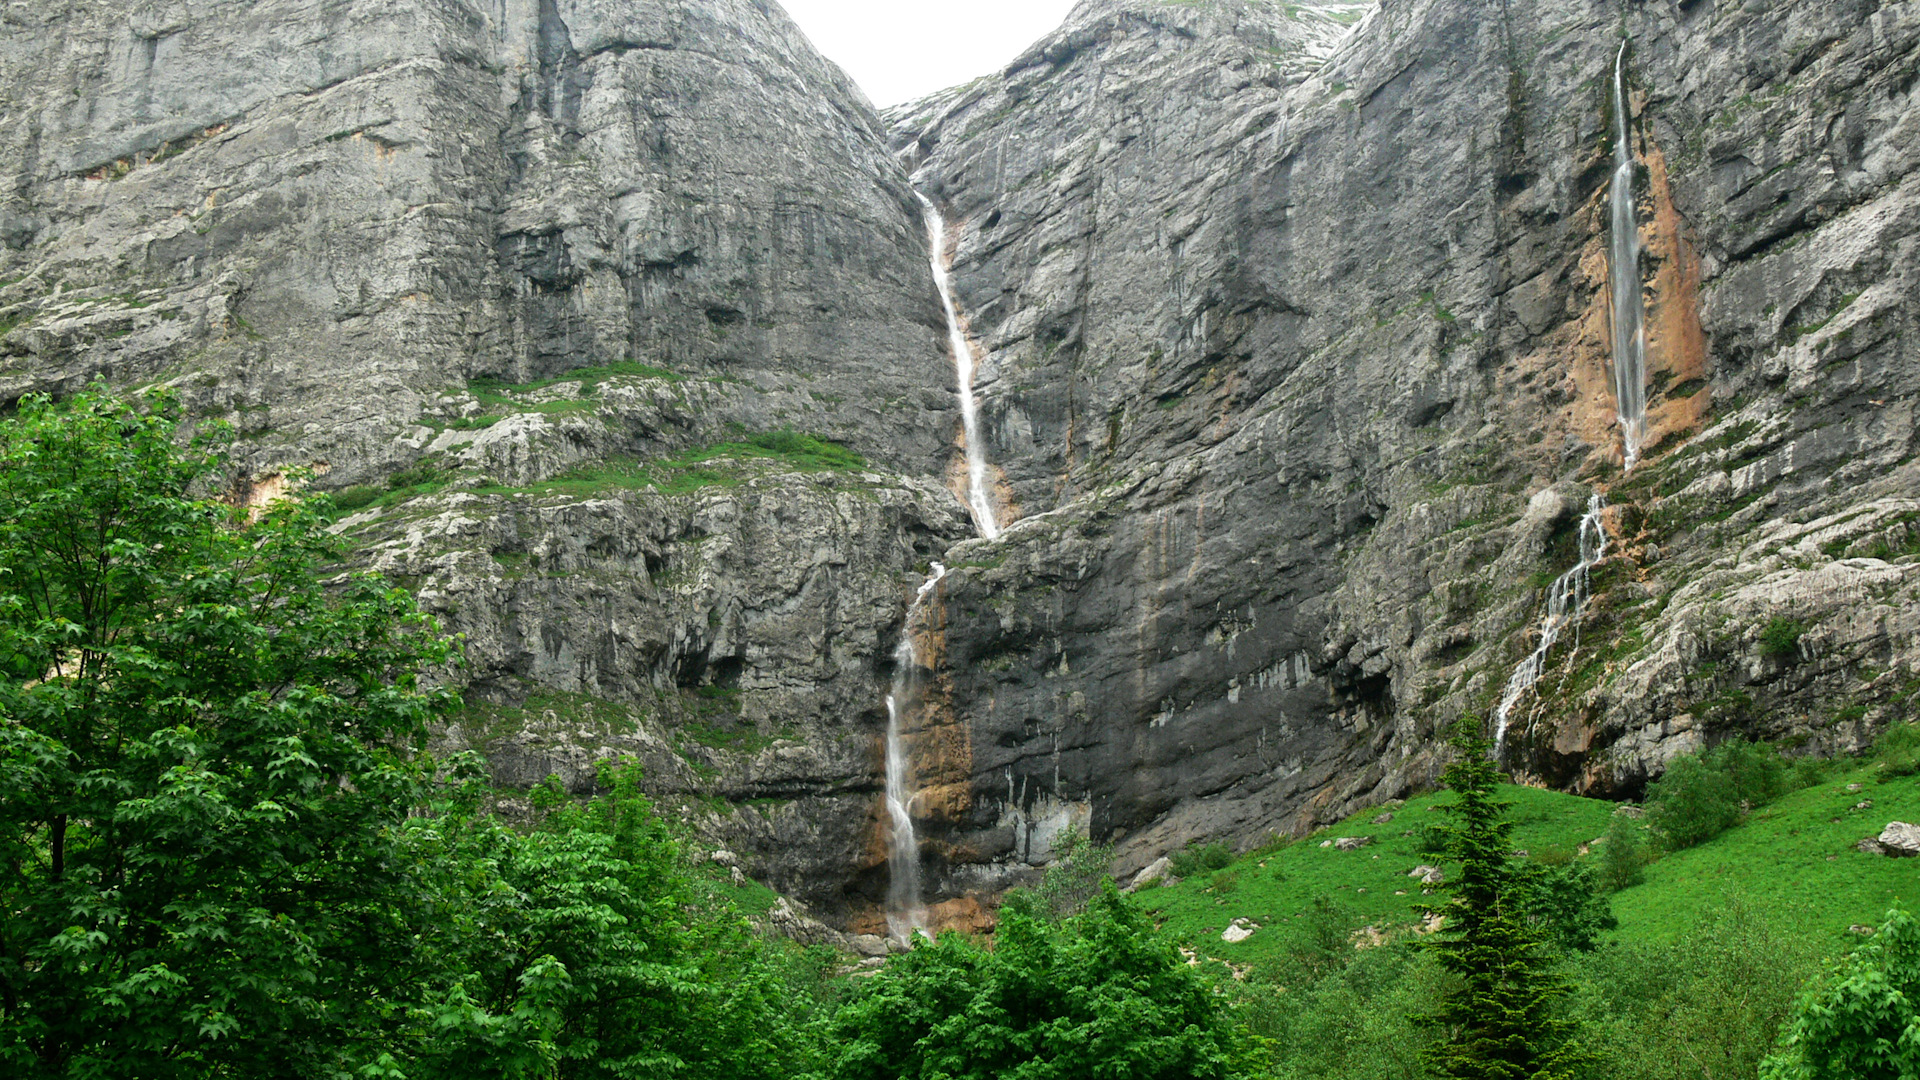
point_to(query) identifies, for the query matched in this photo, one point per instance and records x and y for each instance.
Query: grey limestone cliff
(612, 323)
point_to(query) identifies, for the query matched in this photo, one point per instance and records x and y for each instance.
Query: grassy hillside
(1791, 861)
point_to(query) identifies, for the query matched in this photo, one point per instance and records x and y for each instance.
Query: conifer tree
(1498, 1018)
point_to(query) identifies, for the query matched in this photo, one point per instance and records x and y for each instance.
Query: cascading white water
(1628, 313)
(1566, 603)
(963, 364)
(905, 914)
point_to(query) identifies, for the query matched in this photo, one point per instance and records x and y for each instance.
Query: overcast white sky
(898, 50)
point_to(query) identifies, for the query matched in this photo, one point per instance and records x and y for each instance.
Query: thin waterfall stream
(906, 912)
(978, 499)
(1566, 603)
(1626, 315)
(1626, 310)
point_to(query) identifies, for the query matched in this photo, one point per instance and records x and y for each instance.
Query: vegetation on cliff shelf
(719, 465)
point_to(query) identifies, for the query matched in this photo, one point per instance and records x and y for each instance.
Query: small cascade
(1626, 310)
(1566, 603)
(978, 500)
(905, 914)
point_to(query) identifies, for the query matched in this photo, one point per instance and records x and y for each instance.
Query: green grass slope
(1792, 861)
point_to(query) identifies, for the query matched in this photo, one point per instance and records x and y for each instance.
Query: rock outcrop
(611, 325)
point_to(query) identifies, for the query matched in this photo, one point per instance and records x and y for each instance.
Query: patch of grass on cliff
(489, 721)
(720, 465)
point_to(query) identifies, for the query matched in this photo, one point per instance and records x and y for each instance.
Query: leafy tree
(203, 765)
(221, 854)
(1500, 1018)
(1693, 802)
(1863, 1021)
(1623, 856)
(1096, 995)
(592, 949)
(1079, 866)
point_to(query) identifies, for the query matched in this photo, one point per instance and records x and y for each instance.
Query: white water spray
(1566, 603)
(905, 914)
(1627, 313)
(963, 364)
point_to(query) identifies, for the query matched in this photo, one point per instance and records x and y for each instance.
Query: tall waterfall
(904, 911)
(1627, 313)
(1566, 603)
(963, 364)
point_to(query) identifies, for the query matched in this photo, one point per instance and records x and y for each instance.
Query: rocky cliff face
(1299, 373)
(1294, 344)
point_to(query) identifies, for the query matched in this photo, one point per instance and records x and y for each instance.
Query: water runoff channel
(906, 909)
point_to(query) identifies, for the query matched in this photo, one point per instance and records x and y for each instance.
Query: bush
(1624, 856)
(1079, 866)
(1356, 1023)
(1199, 858)
(1703, 795)
(1693, 803)
(1099, 994)
(1898, 750)
(1781, 637)
(1705, 1007)
(1863, 1021)
(1569, 906)
(1757, 771)
(354, 498)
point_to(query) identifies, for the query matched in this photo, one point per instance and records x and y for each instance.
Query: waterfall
(905, 914)
(1626, 312)
(1566, 603)
(963, 365)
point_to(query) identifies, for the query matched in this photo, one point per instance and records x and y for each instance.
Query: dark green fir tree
(1500, 1016)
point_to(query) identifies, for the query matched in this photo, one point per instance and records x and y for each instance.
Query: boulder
(1157, 870)
(1900, 839)
(1352, 843)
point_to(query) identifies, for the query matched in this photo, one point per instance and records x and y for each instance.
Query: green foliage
(1569, 907)
(1624, 855)
(1897, 750)
(221, 856)
(1078, 870)
(1197, 858)
(1099, 994)
(354, 498)
(202, 766)
(1500, 1014)
(595, 951)
(1781, 637)
(1692, 802)
(1703, 1007)
(1356, 1020)
(1862, 1022)
(1703, 795)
